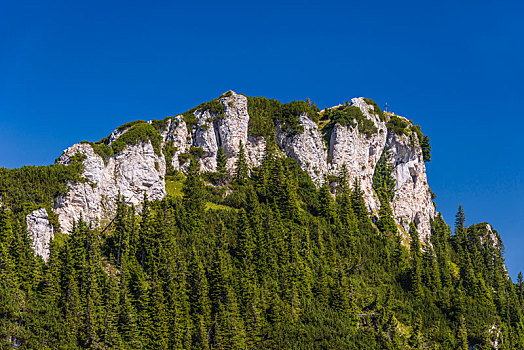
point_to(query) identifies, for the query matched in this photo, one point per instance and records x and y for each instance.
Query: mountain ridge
(354, 135)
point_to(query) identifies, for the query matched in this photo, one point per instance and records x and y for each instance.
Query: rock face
(40, 231)
(494, 238)
(137, 170)
(133, 173)
(358, 152)
(177, 134)
(412, 201)
(232, 130)
(206, 138)
(307, 148)
(212, 132)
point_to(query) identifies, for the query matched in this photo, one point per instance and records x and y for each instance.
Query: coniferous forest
(275, 264)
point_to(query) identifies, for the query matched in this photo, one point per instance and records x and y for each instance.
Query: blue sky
(73, 70)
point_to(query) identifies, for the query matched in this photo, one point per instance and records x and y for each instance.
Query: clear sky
(75, 70)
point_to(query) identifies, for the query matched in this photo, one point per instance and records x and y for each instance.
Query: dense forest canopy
(258, 259)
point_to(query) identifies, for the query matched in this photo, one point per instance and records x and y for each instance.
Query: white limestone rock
(412, 201)
(494, 238)
(255, 148)
(177, 133)
(138, 170)
(135, 171)
(40, 231)
(496, 335)
(205, 137)
(228, 131)
(358, 152)
(117, 133)
(307, 147)
(83, 199)
(233, 129)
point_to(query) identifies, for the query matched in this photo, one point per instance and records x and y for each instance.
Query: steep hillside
(247, 223)
(135, 159)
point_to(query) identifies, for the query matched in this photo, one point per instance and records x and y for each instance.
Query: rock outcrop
(359, 152)
(308, 148)
(412, 201)
(40, 231)
(138, 170)
(233, 128)
(205, 137)
(178, 136)
(133, 173)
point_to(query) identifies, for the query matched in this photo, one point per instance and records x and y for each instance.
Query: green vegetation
(424, 143)
(139, 132)
(261, 260)
(174, 185)
(265, 113)
(215, 108)
(129, 124)
(183, 158)
(349, 116)
(402, 127)
(103, 150)
(32, 186)
(161, 125)
(399, 125)
(384, 186)
(265, 262)
(376, 108)
(169, 151)
(214, 206)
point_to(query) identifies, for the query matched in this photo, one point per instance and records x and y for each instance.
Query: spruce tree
(241, 167)
(416, 262)
(221, 166)
(194, 190)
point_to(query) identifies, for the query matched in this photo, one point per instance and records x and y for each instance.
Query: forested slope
(274, 263)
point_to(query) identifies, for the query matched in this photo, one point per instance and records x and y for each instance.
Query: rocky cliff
(40, 231)
(138, 168)
(133, 173)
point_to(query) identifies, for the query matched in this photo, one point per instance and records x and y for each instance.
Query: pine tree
(359, 205)
(199, 299)
(384, 185)
(463, 334)
(145, 235)
(90, 290)
(416, 339)
(121, 231)
(348, 221)
(460, 220)
(416, 262)
(194, 190)
(6, 239)
(221, 166)
(110, 336)
(157, 332)
(241, 167)
(127, 320)
(426, 148)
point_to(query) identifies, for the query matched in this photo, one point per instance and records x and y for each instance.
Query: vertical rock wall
(308, 148)
(133, 173)
(40, 231)
(412, 201)
(358, 152)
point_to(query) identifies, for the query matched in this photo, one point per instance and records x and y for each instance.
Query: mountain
(135, 159)
(248, 223)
